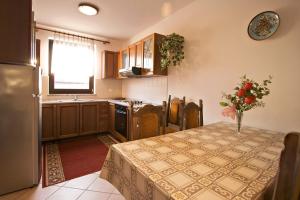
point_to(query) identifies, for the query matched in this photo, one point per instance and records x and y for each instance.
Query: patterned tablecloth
(208, 163)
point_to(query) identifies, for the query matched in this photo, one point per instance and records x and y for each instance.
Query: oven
(121, 120)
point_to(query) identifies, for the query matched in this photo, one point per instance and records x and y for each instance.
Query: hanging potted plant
(171, 50)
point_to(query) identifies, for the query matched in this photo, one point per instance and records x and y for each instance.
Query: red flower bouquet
(248, 95)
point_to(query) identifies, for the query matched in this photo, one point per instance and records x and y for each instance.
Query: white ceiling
(118, 19)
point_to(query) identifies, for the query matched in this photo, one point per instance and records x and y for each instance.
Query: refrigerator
(20, 127)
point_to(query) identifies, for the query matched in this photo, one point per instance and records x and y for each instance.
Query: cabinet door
(123, 62)
(139, 54)
(132, 56)
(88, 118)
(111, 64)
(48, 122)
(112, 117)
(125, 59)
(103, 122)
(148, 53)
(67, 120)
(16, 32)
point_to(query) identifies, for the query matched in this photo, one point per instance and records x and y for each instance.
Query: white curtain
(73, 61)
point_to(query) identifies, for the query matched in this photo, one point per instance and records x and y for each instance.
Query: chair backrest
(287, 186)
(192, 115)
(173, 110)
(149, 121)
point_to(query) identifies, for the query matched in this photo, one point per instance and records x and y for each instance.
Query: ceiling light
(88, 9)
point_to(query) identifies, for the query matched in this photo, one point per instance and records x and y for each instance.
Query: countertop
(114, 101)
(62, 101)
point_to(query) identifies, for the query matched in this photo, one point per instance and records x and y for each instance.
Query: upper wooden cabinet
(148, 53)
(139, 54)
(151, 56)
(17, 36)
(124, 58)
(123, 61)
(136, 55)
(132, 55)
(144, 54)
(110, 67)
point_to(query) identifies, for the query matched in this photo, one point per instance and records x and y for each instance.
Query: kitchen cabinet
(136, 55)
(67, 120)
(17, 35)
(48, 122)
(139, 54)
(103, 117)
(88, 118)
(110, 69)
(123, 62)
(124, 58)
(132, 55)
(144, 54)
(64, 120)
(148, 52)
(151, 56)
(111, 117)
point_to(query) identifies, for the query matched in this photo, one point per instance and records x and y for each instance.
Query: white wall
(218, 51)
(104, 88)
(152, 89)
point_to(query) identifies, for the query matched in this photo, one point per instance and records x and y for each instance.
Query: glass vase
(239, 117)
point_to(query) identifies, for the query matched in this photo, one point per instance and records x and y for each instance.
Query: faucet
(75, 97)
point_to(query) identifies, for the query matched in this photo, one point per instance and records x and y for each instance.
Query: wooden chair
(192, 115)
(174, 114)
(148, 121)
(287, 183)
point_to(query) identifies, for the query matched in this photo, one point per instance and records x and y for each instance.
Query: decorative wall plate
(263, 25)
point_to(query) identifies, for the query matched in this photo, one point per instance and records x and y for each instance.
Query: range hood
(129, 72)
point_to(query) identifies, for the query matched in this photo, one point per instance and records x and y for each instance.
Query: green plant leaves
(171, 50)
(224, 104)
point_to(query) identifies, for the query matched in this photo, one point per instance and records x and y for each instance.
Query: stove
(136, 103)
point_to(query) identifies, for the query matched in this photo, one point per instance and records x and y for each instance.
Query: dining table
(212, 162)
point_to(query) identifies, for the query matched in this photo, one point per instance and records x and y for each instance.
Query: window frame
(52, 90)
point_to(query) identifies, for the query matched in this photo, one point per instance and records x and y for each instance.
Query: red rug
(72, 158)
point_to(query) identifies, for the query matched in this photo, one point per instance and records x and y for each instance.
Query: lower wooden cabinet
(103, 113)
(49, 122)
(67, 120)
(88, 118)
(112, 117)
(73, 119)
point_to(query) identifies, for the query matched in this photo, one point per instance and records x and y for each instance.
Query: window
(71, 67)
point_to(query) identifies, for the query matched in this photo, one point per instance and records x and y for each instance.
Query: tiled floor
(89, 187)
